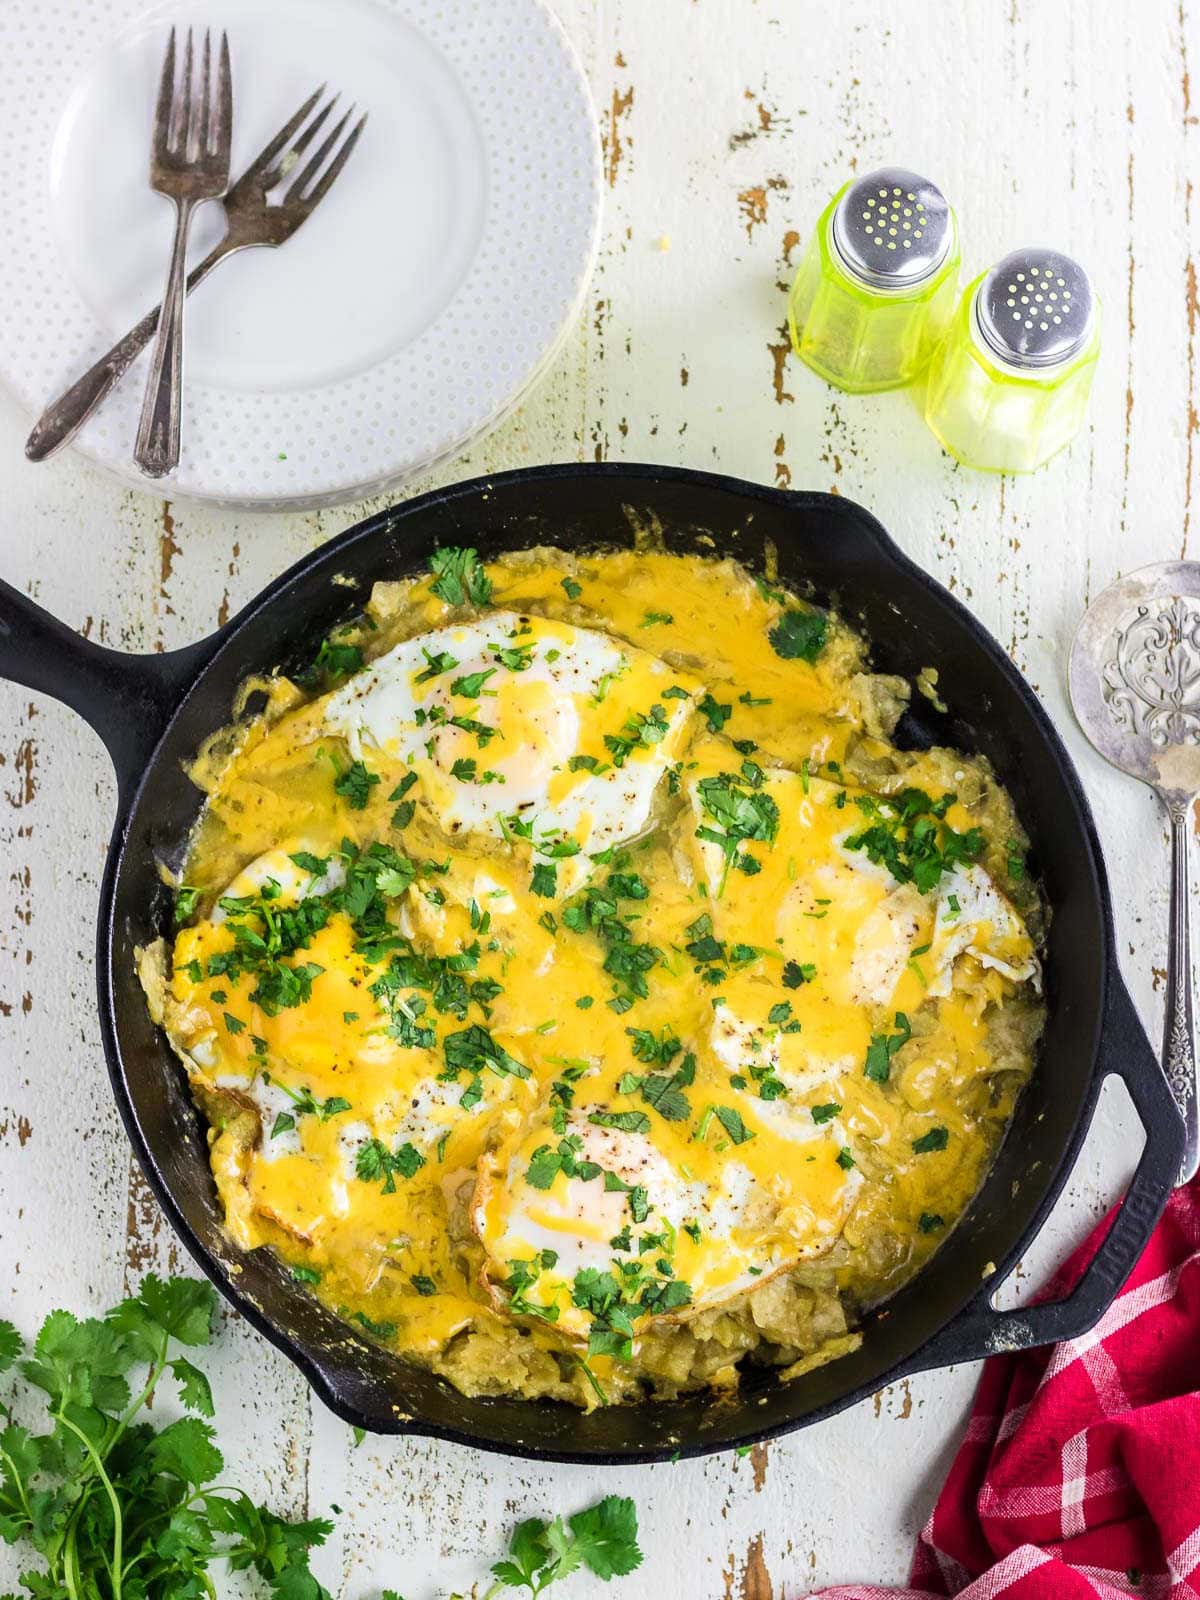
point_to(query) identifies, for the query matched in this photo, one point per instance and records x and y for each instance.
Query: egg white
(566, 687)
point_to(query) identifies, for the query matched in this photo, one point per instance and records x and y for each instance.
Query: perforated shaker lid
(892, 229)
(1035, 308)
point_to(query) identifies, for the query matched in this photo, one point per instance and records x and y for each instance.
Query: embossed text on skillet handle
(1179, 1031)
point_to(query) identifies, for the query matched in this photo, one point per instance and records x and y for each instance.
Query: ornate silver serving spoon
(1135, 687)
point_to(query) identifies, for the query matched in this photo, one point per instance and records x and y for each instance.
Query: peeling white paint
(1043, 120)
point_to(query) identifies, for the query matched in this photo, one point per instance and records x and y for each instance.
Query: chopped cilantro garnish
(374, 1161)
(470, 686)
(186, 900)
(716, 715)
(473, 1049)
(825, 1113)
(332, 663)
(800, 635)
(403, 813)
(459, 577)
(796, 973)
(883, 1047)
(355, 785)
(435, 665)
(743, 814)
(545, 879)
(638, 730)
(307, 862)
(935, 1139)
(516, 659)
(625, 1121)
(930, 1222)
(907, 834)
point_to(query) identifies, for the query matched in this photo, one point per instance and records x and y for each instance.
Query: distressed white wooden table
(726, 125)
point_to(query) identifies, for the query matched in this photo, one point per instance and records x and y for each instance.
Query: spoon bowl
(1134, 681)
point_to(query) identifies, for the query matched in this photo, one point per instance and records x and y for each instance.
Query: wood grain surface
(726, 126)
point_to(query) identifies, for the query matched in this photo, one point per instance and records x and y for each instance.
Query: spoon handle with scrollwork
(1179, 1030)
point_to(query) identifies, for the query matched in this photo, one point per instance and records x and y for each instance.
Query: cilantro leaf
(731, 1121)
(332, 663)
(883, 1047)
(716, 715)
(194, 1388)
(355, 785)
(11, 1345)
(626, 1121)
(545, 879)
(800, 635)
(935, 1139)
(459, 577)
(606, 1535)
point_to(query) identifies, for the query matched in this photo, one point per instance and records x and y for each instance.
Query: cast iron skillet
(153, 711)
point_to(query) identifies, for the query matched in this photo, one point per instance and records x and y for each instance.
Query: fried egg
(869, 941)
(522, 728)
(669, 1224)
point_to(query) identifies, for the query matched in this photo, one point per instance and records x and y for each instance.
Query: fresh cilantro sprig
(117, 1507)
(603, 1539)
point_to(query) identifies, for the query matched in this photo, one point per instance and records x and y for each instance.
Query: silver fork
(189, 164)
(250, 219)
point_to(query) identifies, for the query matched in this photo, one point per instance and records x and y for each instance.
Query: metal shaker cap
(892, 229)
(1035, 308)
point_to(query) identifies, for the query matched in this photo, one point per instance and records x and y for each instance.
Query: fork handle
(157, 447)
(63, 418)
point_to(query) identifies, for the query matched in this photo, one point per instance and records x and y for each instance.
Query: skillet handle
(980, 1331)
(128, 699)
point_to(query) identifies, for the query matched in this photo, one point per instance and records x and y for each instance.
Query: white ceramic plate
(409, 313)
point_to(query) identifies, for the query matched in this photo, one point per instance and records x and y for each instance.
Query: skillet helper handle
(979, 1330)
(128, 699)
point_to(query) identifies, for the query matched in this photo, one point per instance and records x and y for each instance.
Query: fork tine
(166, 96)
(289, 158)
(335, 166)
(222, 126)
(298, 184)
(181, 111)
(198, 128)
(267, 155)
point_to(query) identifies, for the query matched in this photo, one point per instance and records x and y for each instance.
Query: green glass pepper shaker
(1009, 387)
(875, 290)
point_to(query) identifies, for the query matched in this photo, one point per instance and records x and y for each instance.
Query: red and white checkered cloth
(1079, 1476)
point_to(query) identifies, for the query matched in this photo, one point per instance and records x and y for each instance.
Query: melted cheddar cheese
(584, 993)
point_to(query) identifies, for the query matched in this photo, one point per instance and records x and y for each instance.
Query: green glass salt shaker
(876, 288)
(1009, 387)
